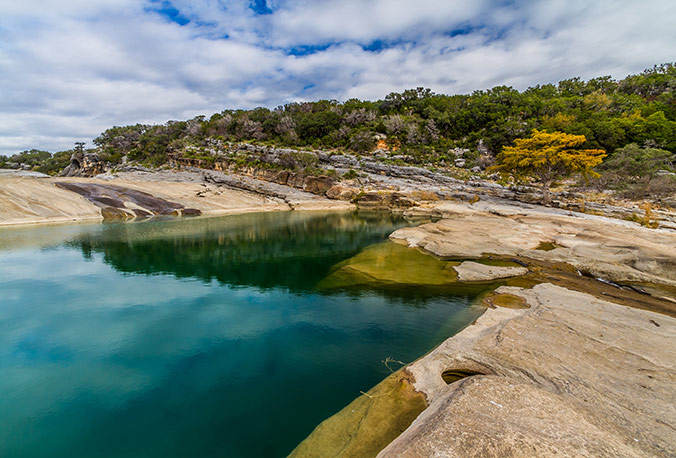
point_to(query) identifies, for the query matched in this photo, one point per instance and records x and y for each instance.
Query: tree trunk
(546, 195)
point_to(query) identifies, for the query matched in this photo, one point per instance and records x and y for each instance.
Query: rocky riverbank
(382, 179)
(33, 199)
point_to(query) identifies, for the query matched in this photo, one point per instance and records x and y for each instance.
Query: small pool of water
(210, 337)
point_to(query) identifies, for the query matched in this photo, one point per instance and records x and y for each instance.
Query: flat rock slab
(573, 375)
(474, 271)
(615, 250)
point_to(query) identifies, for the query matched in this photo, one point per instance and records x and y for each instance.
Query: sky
(73, 68)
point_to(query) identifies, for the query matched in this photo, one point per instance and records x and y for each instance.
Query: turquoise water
(197, 338)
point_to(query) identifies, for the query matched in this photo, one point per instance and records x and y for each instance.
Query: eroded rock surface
(28, 200)
(572, 375)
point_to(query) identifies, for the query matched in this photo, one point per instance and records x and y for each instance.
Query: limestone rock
(616, 250)
(341, 192)
(317, 185)
(117, 202)
(473, 271)
(573, 375)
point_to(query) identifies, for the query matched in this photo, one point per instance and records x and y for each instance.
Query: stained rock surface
(117, 202)
(84, 165)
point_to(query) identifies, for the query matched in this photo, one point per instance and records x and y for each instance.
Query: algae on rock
(368, 424)
(392, 263)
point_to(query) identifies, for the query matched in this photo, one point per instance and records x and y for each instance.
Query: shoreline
(614, 402)
(60, 221)
(31, 201)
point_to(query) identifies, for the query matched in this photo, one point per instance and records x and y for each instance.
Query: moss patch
(547, 246)
(368, 424)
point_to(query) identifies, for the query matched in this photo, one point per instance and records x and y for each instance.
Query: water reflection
(293, 250)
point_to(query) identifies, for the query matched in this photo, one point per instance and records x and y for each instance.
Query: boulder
(317, 185)
(341, 192)
(296, 180)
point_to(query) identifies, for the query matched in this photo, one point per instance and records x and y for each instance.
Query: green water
(203, 337)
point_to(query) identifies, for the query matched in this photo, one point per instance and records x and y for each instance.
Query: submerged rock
(382, 413)
(392, 263)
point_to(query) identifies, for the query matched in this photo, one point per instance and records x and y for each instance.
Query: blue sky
(72, 68)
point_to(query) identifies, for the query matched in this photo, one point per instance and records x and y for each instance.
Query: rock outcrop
(572, 375)
(568, 360)
(84, 165)
(614, 250)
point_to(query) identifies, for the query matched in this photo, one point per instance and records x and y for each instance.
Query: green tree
(549, 157)
(634, 161)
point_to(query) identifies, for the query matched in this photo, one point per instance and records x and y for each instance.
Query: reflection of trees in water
(291, 249)
(411, 295)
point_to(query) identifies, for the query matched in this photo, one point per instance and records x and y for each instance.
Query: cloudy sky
(72, 68)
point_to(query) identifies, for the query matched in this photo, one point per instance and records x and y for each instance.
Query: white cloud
(72, 69)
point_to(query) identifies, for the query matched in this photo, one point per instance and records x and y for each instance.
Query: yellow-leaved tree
(549, 156)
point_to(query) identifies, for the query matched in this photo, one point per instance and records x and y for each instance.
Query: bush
(363, 141)
(350, 174)
(634, 161)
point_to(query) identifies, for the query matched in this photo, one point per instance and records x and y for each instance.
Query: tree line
(637, 112)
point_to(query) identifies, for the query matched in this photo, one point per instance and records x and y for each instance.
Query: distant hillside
(635, 116)
(639, 109)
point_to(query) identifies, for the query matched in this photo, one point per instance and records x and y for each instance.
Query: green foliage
(32, 157)
(632, 170)
(317, 125)
(635, 161)
(55, 163)
(610, 114)
(350, 174)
